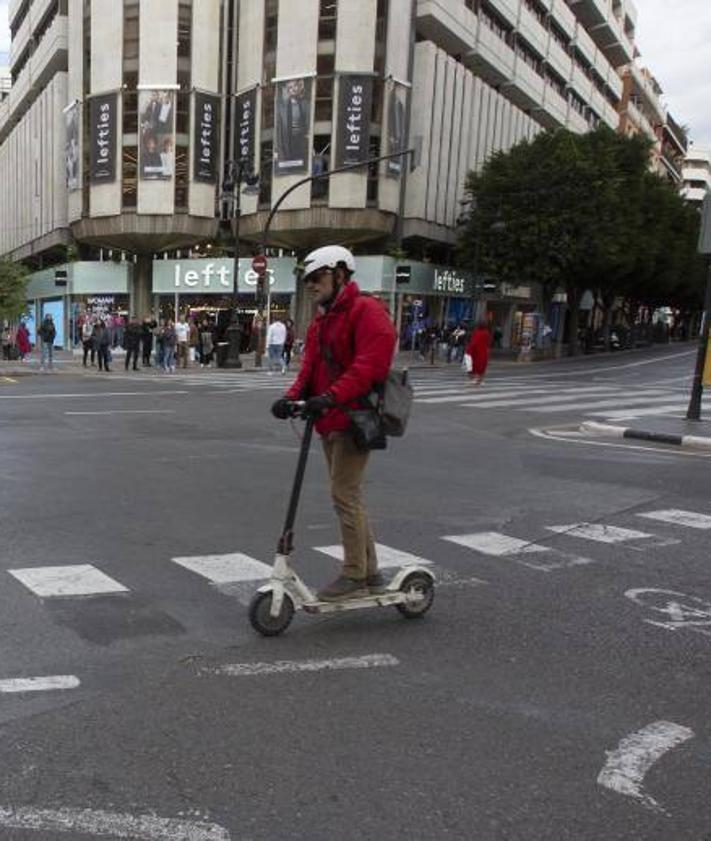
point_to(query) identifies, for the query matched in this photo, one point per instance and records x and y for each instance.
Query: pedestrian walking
(349, 348)
(160, 343)
(87, 340)
(276, 337)
(207, 344)
(102, 340)
(23, 341)
(147, 329)
(288, 343)
(132, 343)
(47, 334)
(182, 334)
(193, 340)
(7, 343)
(170, 341)
(478, 349)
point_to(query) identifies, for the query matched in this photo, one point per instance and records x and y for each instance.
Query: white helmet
(328, 257)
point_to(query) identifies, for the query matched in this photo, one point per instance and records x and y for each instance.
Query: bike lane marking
(627, 765)
(366, 661)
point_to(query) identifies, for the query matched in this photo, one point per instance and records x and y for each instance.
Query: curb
(698, 442)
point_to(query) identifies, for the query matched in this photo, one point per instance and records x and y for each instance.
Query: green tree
(13, 286)
(576, 212)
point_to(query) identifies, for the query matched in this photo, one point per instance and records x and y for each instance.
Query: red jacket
(478, 349)
(349, 348)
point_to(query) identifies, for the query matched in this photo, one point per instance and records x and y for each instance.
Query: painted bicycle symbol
(683, 612)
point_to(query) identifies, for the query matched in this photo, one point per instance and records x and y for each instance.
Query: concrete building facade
(696, 175)
(122, 117)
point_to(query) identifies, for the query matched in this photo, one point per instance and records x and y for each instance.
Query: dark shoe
(376, 583)
(342, 588)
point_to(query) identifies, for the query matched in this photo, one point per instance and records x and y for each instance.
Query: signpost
(702, 374)
(259, 266)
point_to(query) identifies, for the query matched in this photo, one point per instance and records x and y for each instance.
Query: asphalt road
(557, 690)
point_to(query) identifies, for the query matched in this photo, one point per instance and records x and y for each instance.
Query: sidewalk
(660, 429)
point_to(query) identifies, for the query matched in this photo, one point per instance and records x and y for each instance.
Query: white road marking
(683, 612)
(646, 397)
(625, 768)
(577, 437)
(680, 518)
(549, 398)
(387, 556)
(625, 414)
(127, 412)
(110, 824)
(600, 533)
(39, 684)
(226, 569)
(499, 545)
(473, 394)
(367, 661)
(89, 395)
(74, 580)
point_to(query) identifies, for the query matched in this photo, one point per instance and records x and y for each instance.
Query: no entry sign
(259, 264)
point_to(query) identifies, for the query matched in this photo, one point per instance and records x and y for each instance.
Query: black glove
(316, 406)
(281, 408)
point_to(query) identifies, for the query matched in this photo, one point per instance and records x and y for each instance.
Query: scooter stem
(286, 541)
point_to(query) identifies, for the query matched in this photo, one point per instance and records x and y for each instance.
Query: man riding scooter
(349, 348)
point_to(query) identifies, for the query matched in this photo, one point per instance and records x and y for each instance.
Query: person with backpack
(87, 340)
(102, 340)
(47, 334)
(132, 343)
(349, 349)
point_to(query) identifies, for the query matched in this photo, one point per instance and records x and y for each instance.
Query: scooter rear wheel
(422, 585)
(262, 620)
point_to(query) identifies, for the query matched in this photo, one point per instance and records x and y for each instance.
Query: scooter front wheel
(419, 588)
(261, 617)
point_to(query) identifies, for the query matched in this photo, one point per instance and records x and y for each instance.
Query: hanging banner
(246, 121)
(355, 96)
(71, 146)
(293, 126)
(102, 111)
(396, 129)
(206, 137)
(156, 159)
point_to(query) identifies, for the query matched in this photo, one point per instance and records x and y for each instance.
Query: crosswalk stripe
(484, 402)
(646, 398)
(599, 533)
(387, 556)
(499, 545)
(226, 569)
(71, 580)
(471, 396)
(691, 519)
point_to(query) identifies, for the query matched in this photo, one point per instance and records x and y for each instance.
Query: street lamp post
(704, 247)
(236, 173)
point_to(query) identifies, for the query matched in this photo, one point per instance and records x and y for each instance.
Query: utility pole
(694, 410)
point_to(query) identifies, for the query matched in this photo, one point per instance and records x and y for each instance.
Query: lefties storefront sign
(354, 106)
(216, 277)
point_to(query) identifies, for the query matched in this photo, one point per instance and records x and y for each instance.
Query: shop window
(325, 65)
(181, 178)
(327, 20)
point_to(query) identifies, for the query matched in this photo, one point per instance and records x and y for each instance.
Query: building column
(142, 288)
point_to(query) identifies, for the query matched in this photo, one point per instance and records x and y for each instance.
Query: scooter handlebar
(297, 408)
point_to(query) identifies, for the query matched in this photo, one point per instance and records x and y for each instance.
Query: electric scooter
(411, 590)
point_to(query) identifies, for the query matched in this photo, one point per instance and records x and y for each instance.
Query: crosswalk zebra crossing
(238, 574)
(223, 381)
(613, 401)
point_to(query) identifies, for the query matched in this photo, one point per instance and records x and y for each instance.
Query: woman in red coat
(23, 341)
(478, 349)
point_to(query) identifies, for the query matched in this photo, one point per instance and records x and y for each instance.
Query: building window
(130, 103)
(271, 23)
(181, 178)
(185, 29)
(373, 172)
(266, 158)
(131, 36)
(327, 20)
(320, 163)
(495, 23)
(381, 35)
(325, 65)
(129, 177)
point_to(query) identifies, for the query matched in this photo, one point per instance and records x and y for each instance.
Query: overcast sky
(675, 41)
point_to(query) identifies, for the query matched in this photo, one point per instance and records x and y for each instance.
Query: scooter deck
(385, 599)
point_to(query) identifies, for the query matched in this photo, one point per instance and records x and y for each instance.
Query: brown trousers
(346, 469)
